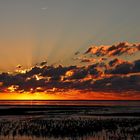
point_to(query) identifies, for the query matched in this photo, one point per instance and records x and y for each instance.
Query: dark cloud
(136, 67)
(52, 71)
(94, 70)
(79, 73)
(76, 53)
(110, 75)
(118, 83)
(78, 78)
(115, 62)
(123, 67)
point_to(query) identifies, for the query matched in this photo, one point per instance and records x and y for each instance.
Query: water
(71, 102)
(69, 120)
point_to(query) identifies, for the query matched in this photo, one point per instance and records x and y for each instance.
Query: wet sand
(63, 110)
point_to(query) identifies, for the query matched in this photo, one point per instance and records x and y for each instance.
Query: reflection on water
(68, 102)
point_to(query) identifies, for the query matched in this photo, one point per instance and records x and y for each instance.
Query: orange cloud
(114, 50)
(104, 79)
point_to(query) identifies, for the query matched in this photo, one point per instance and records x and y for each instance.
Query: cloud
(18, 66)
(118, 84)
(114, 50)
(118, 66)
(76, 53)
(87, 60)
(102, 75)
(136, 67)
(115, 62)
(49, 77)
(79, 73)
(43, 63)
(123, 68)
(84, 59)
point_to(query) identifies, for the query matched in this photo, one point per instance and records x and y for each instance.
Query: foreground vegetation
(115, 128)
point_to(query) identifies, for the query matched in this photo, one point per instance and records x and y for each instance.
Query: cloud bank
(114, 76)
(114, 50)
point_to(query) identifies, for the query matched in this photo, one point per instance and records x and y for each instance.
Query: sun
(24, 96)
(31, 96)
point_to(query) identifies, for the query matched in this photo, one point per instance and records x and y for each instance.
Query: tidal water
(69, 120)
(72, 102)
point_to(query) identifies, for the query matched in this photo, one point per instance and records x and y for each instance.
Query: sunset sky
(69, 49)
